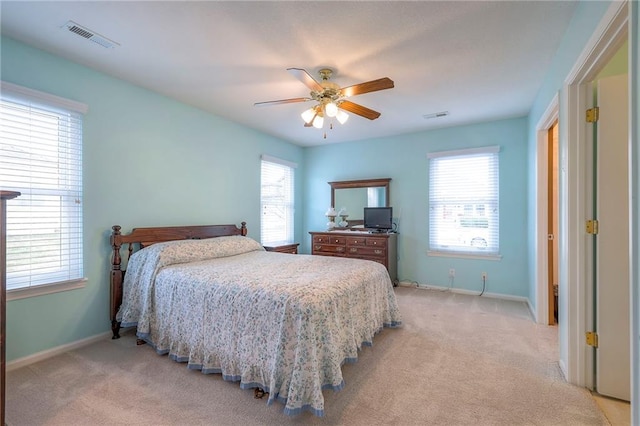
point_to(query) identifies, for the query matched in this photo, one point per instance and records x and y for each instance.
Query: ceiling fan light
(342, 116)
(308, 115)
(331, 109)
(318, 122)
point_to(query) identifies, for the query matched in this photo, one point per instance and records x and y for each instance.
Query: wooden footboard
(142, 237)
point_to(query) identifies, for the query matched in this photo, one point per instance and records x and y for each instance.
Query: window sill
(41, 290)
(464, 255)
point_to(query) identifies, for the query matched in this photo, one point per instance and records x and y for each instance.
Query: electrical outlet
(484, 275)
(452, 272)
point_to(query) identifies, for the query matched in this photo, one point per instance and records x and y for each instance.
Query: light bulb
(318, 122)
(308, 115)
(342, 116)
(331, 109)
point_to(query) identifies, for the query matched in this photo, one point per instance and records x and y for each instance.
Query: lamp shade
(331, 109)
(318, 122)
(342, 116)
(308, 115)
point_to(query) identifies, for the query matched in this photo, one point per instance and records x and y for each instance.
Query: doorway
(552, 221)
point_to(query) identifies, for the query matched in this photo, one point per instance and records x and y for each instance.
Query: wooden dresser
(381, 248)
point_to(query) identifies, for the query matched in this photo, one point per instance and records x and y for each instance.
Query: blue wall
(404, 160)
(148, 160)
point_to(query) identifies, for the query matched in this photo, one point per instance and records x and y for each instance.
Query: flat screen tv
(378, 218)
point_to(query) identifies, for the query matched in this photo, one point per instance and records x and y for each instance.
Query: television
(378, 219)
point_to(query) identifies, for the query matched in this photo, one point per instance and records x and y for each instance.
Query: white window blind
(463, 201)
(276, 201)
(41, 157)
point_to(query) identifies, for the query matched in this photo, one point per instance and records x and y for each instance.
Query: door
(552, 221)
(612, 300)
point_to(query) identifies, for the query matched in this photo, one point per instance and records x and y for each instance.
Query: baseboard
(41, 356)
(563, 369)
(532, 311)
(463, 291)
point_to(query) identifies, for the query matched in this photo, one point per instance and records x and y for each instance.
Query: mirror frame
(363, 183)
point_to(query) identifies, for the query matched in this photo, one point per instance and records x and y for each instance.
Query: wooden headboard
(142, 237)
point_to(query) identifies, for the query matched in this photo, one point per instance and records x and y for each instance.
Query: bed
(213, 298)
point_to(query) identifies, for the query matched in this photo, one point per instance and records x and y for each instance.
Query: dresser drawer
(356, 241)
(328, 248)
(367, 251)
(329, 239)
(377, 242)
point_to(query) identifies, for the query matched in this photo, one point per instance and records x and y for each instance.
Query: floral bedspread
(282, 322)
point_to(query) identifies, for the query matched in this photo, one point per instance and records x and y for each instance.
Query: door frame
(541, 273)
(576, 249)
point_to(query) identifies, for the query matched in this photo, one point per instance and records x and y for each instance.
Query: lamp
(331, 215)
(342, 116)
(315, 115)
(318, 121)
(308, 115)
(331, 109)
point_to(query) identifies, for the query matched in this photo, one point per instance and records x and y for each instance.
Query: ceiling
(477, 60)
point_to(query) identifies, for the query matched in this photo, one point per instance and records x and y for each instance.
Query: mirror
(355, 195)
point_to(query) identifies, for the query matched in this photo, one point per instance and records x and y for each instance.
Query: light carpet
(456, 360)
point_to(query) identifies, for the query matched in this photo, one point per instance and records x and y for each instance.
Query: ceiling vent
(436, 115)
(90, 35)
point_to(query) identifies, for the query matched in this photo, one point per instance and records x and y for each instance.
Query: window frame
(466, 204)
(54, 105)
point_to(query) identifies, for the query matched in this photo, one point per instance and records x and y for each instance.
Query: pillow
(183, 251)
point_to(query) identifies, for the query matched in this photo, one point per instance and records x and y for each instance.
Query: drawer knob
(354, 250)
(317, 247)
(341, 249)
(378, 251)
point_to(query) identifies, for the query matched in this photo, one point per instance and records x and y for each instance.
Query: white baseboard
(41, 356)
(532, 311)
(463, 291)
(563, 369)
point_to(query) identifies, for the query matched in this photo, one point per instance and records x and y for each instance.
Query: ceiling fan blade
(306, 79)
(282, 101)
(369, 86)
(359, 110)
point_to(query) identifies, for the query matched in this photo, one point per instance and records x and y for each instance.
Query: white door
(613, 368)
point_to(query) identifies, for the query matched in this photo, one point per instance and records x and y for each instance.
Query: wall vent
(436, 115)
(90, 35)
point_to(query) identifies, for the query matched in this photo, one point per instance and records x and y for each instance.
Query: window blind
(463, 201)
(41, 157)
(276, 201)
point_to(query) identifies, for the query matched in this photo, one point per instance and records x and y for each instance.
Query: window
(276, 201)
(463, 202)
(41, 157)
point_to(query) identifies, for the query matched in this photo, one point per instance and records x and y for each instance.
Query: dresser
(381, 248)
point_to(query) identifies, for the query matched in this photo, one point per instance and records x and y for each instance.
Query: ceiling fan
(331, 99)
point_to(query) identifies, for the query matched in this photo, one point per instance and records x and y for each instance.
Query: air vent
(90, 35)
(436, 115)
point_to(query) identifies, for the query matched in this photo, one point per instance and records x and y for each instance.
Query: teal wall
(404, 160)
(148, 160)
